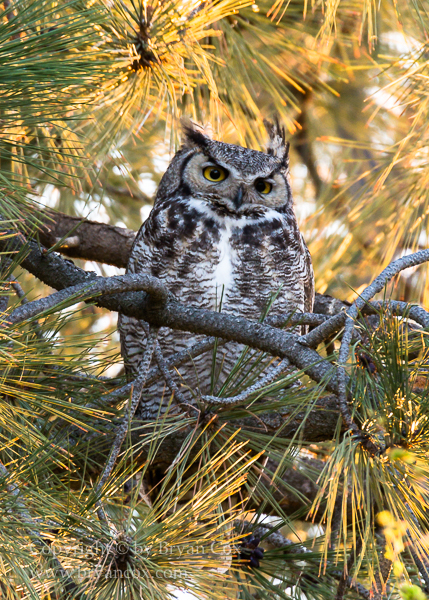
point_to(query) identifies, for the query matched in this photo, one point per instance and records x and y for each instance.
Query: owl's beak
(238, 198)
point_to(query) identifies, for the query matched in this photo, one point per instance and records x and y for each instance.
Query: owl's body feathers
(219, 243)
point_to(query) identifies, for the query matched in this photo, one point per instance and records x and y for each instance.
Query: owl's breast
(207, 259)
(252, 259)
(267, 257)
(204, 256)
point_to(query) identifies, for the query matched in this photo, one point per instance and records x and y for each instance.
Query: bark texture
(84, 239)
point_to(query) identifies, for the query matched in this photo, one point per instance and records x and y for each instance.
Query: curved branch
(173, 361)
(123, 428)
(89, 290)
(350, 315)
(173, 387)
(257, 387)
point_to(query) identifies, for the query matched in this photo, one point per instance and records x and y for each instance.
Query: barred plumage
(222, 226)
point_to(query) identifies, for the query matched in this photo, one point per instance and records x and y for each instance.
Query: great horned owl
(222, 226)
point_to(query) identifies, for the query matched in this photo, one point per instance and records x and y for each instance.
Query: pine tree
(313, 484)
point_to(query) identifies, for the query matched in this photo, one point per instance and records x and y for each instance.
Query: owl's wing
(132, 331)
(308, 280)
(158, 246)
(295, 258)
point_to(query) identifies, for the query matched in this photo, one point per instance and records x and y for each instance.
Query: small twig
(155, 372)
(342, 377)
(422, 565)
(296, 318)
(4, 301)
(332, 325)
(354, 585)
(18, 291)
(129, 414)
(265, 381)
(21, 295)
(173, 387)
(278, 540)
(381, 576)
(395, 267)
(196, 10)
(66, 376)
(422, 562)
(398, 308)
(275, 538)
(323, 331)
(5, 264)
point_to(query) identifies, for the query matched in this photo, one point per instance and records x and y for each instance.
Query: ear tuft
(277, 145)
(195, 135)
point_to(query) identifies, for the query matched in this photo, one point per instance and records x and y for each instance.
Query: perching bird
(223, 228)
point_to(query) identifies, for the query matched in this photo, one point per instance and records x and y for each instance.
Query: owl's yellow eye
(215, 173)
(262, 186)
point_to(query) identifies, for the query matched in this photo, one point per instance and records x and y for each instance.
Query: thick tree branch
(57, 272)
(61, 274)
(89, 290)
(318, 424)
(91, 240)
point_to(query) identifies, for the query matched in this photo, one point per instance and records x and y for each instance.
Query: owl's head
(229, 176)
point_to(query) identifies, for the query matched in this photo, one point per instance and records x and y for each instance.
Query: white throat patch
(223, 274)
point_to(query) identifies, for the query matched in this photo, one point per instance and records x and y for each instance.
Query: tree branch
(173, 387)
(89, 290)
(128, 416)
(381, 576)
(60, 273)
(92, 241)
(344, 578)
(123, 192)
(273, 537)
(351, 314)
(257, 387)
(304, 147)
(173, 361)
